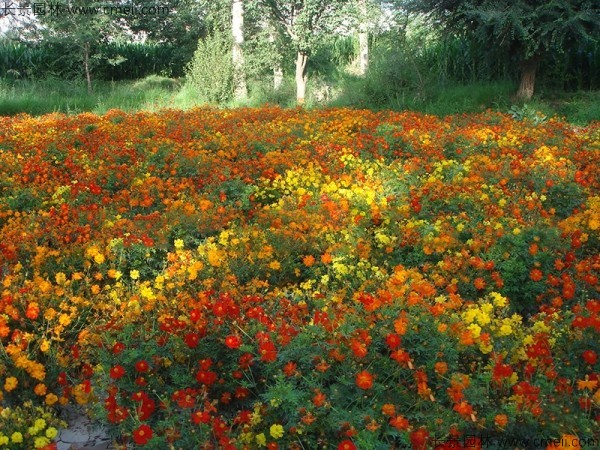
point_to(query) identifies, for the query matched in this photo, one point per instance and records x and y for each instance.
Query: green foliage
(210, 73)
(526, 112)
(529, 28)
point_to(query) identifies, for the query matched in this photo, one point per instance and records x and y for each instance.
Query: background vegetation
(413, 64)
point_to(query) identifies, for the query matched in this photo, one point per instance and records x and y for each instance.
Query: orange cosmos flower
(33, 311)
(364, 380)
(400, 423)
(479, 283)
(388, 409)
(308, 261)
(536, 274)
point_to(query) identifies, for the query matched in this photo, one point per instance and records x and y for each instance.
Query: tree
(304, 22)
(82, 24)
(363, 37)
(240, 91)
(529, 28)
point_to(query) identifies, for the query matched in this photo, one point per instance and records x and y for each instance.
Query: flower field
(290, 279)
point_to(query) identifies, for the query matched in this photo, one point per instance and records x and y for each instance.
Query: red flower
(142, 366)
(142, 435)
(117, 372)
(419, 438)
(118, 348)
(590, 357)
(393, 341)
(199, 417)
(364, 380)
(191, 340)
(347, 444)
(206, 377)
(233, 342)
(267, 351)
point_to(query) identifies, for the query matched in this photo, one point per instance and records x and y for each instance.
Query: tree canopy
(529, 28)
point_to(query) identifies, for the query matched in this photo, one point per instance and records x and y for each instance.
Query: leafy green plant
(210, 73)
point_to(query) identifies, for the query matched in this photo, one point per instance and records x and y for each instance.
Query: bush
(210, 73)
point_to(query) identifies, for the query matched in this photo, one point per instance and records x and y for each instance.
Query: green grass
(154, 93)
(54, 95)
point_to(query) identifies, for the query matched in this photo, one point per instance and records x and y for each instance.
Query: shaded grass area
(155, 92)
(71, 97)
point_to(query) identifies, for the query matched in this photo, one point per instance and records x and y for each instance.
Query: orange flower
(501, 420)
(319, 398)
(400, 423)
(326, 258)
(388, 409)
(308, 261)
(479, 283)
(364, 380)
(441, 367)
(33, 311)
(536, 274)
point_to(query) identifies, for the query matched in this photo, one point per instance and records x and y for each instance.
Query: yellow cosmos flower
(498, 299)
(261, 439)
(41, 442)
(179, 244)
(276, 431)
(16, 437)
(60, 278)
(475, 330)
(134, 274)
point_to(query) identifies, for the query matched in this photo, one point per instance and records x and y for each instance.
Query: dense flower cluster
(267, 278)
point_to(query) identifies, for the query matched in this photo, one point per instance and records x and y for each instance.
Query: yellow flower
(275, 265)
(60, 278)
(469, 316)
(485, 348)
(16, 437)
(99, 258)
(179, 244)
(498, 299)
(261, 439)
(41, 442)
(475, 330)
(3, 440)
(39, 424)
(483, 318)
(44, 346)
(276, 431)
(10, 384)
(51, 433)
(134, 274)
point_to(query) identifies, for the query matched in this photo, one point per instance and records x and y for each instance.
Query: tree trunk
(363, 39)
(277, 69)
(237, 29)
(301, 78)
(277, 77)
(527, 85)
(86, 66)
